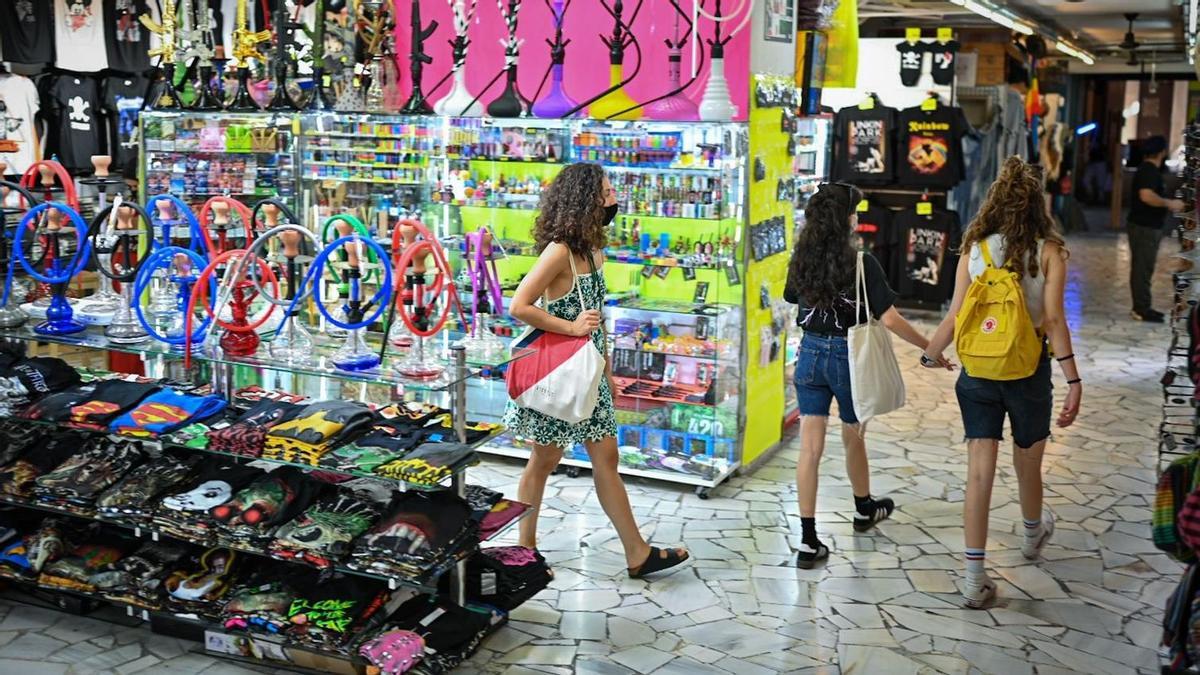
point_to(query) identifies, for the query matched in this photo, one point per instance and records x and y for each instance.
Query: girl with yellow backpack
(1006, 319)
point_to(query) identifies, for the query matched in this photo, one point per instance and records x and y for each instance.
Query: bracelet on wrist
(1068, 357)
(1077, 380)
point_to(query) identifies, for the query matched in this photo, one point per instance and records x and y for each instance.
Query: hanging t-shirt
(23, 31)
(912, 57)
(72, 105)
(925, 256)
(126, 39)
(875, 231)
(79, 36)
(863, 147)
(942, 58)
(930, 142)
(18, 107)
(122, 101)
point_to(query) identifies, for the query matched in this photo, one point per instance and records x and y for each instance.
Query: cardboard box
(991, 61)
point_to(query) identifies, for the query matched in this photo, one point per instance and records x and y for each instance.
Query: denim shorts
(823, 374)
(1028, 403)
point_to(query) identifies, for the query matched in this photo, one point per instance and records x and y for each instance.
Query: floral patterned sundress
(535, 427)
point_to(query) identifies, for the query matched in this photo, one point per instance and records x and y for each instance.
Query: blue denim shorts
(1028, 403)
(823, 374)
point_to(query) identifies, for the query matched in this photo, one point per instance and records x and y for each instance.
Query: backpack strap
(987, 254)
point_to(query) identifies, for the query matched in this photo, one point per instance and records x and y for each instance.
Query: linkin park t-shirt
(79, 34)
(863, 145)
(929, 143)
(23, 33)
(925, 252)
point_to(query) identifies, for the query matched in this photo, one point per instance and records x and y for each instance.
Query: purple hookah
(556, 103)
(678, 106)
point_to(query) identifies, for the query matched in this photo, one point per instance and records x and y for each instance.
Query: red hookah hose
(31, 174)
(242, 210)
(426, 246)
(200, 292)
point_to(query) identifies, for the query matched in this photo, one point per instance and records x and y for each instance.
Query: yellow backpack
(993, 333)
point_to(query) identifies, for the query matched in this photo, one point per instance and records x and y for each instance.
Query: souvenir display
(715, 104)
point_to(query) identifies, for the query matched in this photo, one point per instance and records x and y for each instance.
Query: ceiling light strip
(1016, 23)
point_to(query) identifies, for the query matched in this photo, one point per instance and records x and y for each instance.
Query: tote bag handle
(860, 291)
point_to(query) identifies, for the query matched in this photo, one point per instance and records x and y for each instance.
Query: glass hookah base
(289, 354)
(126, 337)
(239, 344)
(420, 370)
(11, 317)
(356, 362)
(59, 327)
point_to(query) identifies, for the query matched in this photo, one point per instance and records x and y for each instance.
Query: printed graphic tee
(122, 101)
(79, 35)
(23, 34)
(942, 58)
(912, 57)
(72, 106)
(930, 147)
(926, 258)
(878, 238)
(127, 40)
(863, 145)
(18, 107)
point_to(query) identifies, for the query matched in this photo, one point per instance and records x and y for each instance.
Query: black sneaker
(807, 556)
(877, 510)
(1149, 316)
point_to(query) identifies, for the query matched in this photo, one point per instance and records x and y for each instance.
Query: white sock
(975, 559)
(1033, 529)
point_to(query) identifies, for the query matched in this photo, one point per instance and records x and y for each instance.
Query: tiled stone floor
(886, 603)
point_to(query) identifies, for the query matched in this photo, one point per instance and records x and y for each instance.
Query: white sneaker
(975, 597)
(1031, 548)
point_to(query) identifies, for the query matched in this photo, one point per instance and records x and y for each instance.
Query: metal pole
(458, 406)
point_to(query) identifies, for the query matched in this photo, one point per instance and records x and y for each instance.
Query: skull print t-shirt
(79, 36)
(23, 35)
(72, 107)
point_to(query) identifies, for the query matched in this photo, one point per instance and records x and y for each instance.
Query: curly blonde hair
(1015, 208)
(572, 211)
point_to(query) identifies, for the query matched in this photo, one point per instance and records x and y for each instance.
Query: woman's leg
(610, 489)
(1028, 465)
(854, 439)
(542, 462)
(981, 470)
(812, 447)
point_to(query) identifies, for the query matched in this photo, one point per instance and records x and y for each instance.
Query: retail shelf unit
(676, 258)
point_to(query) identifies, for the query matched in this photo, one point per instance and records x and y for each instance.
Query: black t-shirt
(122, 103)
(27, 30)
(863, 145)
(912, 56)
(125, 38)
(942, 57)
(925, 254)
(875, 230)
(71, 108)
(930, 147)
(1148, 177)
(838, 319)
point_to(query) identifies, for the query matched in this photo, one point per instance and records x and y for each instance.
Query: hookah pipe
(240, 338)
(715, 105)
(486, 296)
(48, 171)
(377, 27)
(10, 317)
(630, 39)
(673, 105)
(171, 211)
(557, 101)
(291, 341)
(338, 226)
(510, 103)
(417, 104)
(105, 300)
(621, 37)
(59, 319)
(282, 100)
(184, 261)
(196, 29)
(167, 97)
(453, 102)
(245, 47)
(319, 101)
(123, 329)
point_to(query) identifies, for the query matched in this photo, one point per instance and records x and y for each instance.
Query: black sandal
(806, 560)
(659, 559)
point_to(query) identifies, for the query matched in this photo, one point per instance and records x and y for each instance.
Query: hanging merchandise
(877, 234)
(376, 30)
(164, 96)
(616, 103)
(930, 136)
(675, 105)
(912, 59)
(510, 103)
(927, 239)
(716, 104)
(75, 133)
(79, 36)
(417, 104)
(24, 37)
(197, 49)
(126, 38)
(245, 47)
(943, 57)
(281, 62)
(460, 101)
(557, 103)
(123, 98)
(321, 79)
(841, 51)
(863, 143)
(18, 110)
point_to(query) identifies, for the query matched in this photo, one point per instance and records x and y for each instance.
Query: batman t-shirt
(863, 145)
(126, 39)
(929, 145)
(123, 98)
(23, 31)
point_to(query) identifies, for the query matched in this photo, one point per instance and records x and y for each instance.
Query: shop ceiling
(1096, 25)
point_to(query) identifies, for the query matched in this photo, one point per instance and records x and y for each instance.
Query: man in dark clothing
(1147, 217)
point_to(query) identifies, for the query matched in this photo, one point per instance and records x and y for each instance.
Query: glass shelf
(437, 348)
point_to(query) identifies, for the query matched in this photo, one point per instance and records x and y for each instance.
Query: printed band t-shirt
(79, 36)
(126, 39)
(863, 145)
(912, 56)
(18, 107)
(23, 34)
(122, 101)
(942, 58)
(73, 104)
(929, 145)
(878, 237)
(925, 254)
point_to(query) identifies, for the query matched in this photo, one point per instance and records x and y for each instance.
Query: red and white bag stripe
(561, 378)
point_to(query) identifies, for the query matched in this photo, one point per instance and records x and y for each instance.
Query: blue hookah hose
(380, 299)
(145, 274)
(82, 250)
(198, 243)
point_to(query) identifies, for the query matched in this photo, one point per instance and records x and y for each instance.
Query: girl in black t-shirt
(821, 280)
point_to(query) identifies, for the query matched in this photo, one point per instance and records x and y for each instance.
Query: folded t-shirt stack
(421, 533)
(74, 570)
(388, 438)
(505, 577)
(57, 407)
(17, 478)
(199, 585)
(321, 535)
(109, 400)
(185, 513)
(165, 411)
(16, 437)
(76, 483)
(262, 606)
(137, 579)
(430, 464)
(451, 634)
(247, 434)
(335, 614)
(250, 518)
(316, 430)
(132, 499)
(28, 380)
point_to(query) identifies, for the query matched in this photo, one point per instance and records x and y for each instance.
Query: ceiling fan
(1130, 42)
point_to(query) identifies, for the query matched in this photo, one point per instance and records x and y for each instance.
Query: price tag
(924, 208)
(945, 34)
(912, 34)
(868, 104)
(929, 105)
(864, 205)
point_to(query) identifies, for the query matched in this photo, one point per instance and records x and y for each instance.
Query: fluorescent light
(1071, 50)
(1086, 129)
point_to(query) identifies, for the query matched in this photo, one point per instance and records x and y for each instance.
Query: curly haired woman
(571, 234)
(821, 280)
(1015, 228)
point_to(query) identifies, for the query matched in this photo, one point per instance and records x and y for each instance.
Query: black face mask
(610, 212)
